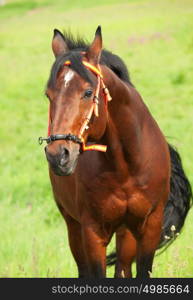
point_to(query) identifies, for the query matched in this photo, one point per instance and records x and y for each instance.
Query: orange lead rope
(94, 107)
(95, 147)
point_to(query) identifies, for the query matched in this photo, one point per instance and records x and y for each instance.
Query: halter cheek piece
(94, 109)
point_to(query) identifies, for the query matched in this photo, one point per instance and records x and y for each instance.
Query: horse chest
(106, 198)
(111, 200)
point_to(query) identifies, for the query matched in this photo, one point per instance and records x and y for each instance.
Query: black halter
(56, 137)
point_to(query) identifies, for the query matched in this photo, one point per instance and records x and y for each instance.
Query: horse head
(75, 90)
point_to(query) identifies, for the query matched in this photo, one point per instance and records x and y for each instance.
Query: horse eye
(88, 94)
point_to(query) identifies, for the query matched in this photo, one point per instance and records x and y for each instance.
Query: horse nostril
(65, 151)
(64, 156)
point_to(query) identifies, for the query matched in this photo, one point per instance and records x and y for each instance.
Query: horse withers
(111, 169)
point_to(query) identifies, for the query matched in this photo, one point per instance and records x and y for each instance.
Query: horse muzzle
(62, 159)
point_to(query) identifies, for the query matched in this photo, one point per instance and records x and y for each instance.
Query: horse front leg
(147, 242)
(125, 252)
(76, 245)
(95, 243)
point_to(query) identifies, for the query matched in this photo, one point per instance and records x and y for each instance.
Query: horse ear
(59, 45)
(94, 51)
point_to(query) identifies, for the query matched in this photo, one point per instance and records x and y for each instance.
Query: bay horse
(111, 168)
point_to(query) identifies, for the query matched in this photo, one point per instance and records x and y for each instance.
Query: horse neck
(123, 133)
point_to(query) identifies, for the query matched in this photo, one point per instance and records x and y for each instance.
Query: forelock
(75, 58)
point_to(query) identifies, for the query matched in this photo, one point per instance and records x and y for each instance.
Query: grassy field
(155, 39)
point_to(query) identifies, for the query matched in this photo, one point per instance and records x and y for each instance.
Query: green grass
(155, 39)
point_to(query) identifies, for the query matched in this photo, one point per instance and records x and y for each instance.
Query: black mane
(78, 45)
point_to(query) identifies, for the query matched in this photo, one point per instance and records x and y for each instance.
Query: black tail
(177, 207)
(179, 201)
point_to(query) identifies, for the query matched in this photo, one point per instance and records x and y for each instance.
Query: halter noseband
(94, 109)
(56, 137)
